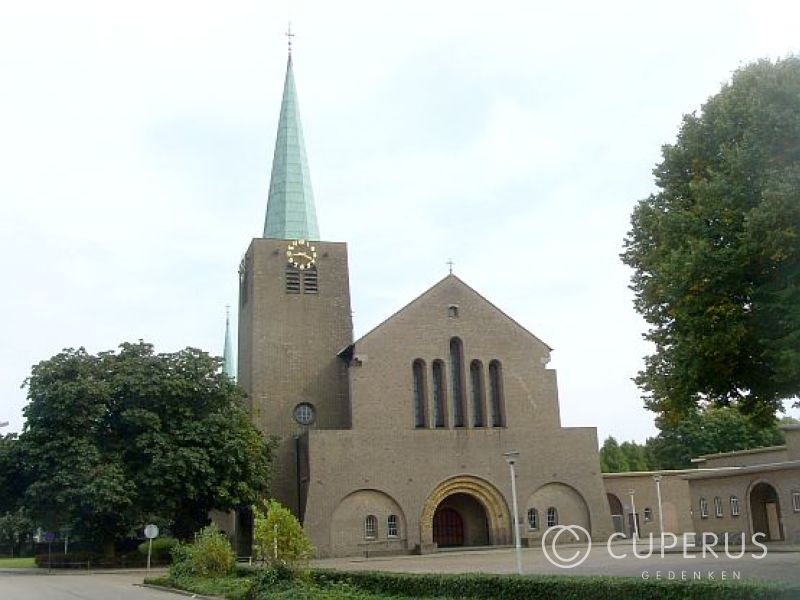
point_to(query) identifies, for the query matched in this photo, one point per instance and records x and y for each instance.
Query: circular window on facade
(304, 413)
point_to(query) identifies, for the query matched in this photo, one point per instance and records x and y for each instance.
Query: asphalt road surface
(775, 566)
(16, 585)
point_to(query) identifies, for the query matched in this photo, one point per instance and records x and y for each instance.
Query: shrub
(211, 555)
(540, 587)
(279, 524)
(230, 587)
(162, 549)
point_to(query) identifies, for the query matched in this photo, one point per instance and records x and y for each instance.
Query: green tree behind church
(118, 439)
(709, 430)
(716, 253)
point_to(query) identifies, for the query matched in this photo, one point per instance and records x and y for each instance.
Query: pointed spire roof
(228, 366)
(290, 207)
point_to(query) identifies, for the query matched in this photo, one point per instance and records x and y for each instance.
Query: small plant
(211, 555)
(279, 539)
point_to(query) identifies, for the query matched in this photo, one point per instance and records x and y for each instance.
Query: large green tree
(627, 456)
(12, 483)
(114, 440)
(716, 252)
(709, 431)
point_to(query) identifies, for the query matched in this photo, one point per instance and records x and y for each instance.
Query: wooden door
(448, 528)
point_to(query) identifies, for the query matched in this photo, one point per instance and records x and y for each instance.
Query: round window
(304, 413)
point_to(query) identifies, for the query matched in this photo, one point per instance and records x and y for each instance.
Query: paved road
(780, 566)
(104, 586)
(776, 566)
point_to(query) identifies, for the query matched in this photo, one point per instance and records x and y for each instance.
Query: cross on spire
(289, 35)
(450, 264)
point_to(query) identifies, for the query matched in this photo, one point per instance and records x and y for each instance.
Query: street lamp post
(657, 478)
(511, 458)
(632, 492)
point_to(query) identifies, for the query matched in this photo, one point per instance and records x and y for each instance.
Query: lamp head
(511, 456)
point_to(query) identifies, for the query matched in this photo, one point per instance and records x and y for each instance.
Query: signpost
(150, 532)
(49, 537)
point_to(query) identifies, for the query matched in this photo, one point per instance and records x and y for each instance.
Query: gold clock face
(301, 254)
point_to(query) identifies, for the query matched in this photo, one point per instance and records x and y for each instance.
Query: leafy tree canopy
(709, 431)
(12, 483)
(716, 252)
(628, 456)
(118, 439)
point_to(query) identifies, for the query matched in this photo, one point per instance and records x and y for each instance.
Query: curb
(162, 588)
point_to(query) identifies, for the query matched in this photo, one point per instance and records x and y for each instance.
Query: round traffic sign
(151, 531)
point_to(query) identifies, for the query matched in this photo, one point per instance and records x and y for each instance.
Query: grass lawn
(16, 563)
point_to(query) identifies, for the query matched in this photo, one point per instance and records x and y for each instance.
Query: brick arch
(495, 506)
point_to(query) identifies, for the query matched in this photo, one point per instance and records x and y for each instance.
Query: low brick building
(735, 493)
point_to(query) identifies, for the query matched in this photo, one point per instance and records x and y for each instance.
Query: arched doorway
(617, 513)
(481, 508)
(765, 511)
(460, 520)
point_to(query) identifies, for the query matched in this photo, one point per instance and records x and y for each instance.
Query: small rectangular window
(243, 282)
(796, 501)
(391, 526)
(718, 507)
(371, 527)
(703, 508)
(734, 506)
(552, 517)
(452, 311)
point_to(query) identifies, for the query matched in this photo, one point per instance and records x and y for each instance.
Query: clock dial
(301, 254)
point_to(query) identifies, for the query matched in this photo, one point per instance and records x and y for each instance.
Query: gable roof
(448, 280)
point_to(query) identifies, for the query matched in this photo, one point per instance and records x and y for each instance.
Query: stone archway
(617, 512)
(458, 492)
(765, 511)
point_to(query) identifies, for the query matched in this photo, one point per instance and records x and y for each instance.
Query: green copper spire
(290, 206)
(227, 354)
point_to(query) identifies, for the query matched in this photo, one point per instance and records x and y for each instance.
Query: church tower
(294, 314)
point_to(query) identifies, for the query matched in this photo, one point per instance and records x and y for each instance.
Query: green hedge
(230, 587)
(536, 587)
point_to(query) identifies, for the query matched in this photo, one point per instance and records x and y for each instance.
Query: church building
(394, 442)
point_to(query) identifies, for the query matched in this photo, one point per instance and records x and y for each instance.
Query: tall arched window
(477, 393)
(420, 395)
(496, 394)
(439, 395)
(457, 376)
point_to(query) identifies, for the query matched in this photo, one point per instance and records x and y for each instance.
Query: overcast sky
(512, 137)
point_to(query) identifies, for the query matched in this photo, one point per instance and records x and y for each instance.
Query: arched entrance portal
(460, 520)
(765, 511)
(617, 513)
(464, 511)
